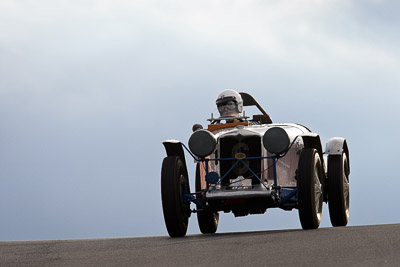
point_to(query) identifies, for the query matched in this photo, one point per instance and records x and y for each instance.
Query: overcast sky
(90, 89)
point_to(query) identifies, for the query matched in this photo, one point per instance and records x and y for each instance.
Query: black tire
(338, 189)
(174, 182)
(310, 188)
(208, 220)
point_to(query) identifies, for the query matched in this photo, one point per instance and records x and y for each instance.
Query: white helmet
(230, 95)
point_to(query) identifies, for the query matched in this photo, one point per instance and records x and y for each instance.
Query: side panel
(287, 165)
(202, 166)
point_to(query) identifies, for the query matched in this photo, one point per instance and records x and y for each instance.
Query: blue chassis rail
(285, 193)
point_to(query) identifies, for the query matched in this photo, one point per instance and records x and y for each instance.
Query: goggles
(228, 106)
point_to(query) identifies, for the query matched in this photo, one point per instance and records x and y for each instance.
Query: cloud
(83, 58)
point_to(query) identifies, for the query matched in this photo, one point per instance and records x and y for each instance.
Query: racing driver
(230, 105)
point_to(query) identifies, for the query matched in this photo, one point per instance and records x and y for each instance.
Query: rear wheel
(338, 189)
(174, 183)
(310, 188)
(208, 220)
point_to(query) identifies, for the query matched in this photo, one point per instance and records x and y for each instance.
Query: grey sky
(90, 89)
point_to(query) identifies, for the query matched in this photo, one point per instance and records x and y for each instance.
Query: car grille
(249, 145)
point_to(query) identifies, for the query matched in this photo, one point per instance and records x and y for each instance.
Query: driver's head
(229, 103)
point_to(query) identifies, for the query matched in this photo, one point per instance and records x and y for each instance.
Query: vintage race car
(248, 166)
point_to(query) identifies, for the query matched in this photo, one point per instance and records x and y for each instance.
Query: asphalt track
(341, 246)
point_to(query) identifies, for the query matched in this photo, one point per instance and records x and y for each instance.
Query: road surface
(342, 246)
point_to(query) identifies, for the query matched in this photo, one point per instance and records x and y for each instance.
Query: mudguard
(312, 140)
(336, 146)
(174, 148)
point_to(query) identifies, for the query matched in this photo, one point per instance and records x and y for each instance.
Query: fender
(336, 146)
(174, 148)
(312, 140)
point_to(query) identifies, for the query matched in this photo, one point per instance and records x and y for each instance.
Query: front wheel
(174, 184)
(338, 189)
(310, 188)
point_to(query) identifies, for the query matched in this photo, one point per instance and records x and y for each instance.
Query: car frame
(248, 166)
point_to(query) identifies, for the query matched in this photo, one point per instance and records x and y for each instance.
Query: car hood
(259, 130)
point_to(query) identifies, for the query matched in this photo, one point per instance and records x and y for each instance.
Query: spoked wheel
(338, 189)
(310, 188)
(208, 220)
(174, 183)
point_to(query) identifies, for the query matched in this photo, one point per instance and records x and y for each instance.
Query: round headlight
(276, 140)
(202, 143)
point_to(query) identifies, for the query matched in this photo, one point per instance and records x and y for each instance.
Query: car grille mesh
(229, 146)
